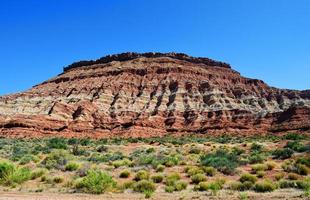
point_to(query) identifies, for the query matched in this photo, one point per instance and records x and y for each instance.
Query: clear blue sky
(264, 39)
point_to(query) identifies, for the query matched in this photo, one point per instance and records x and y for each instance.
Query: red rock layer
(152, 94)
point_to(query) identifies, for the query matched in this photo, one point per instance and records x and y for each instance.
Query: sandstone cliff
(152, 94)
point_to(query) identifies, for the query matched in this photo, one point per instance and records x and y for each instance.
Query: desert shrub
(303, 184)
(56, 159)
(72, 141)
(270, 165)
(222, 160)
(304, 161)
(144, 186)
(58, 179)
(279, 176)
(247, 185)
(10, 174)
(157, 178)
(56, 143)
(102, 148)
(197, 178)
(97, 157)
(180, 185)
(296, 146)
(296, 168)
(292, 176)
(256, 157)
(255, 147)
(192, 170)
(96, 182)
(248, 177)
(301, 169)
(237, 151)
(160, 168)
(210, 171)
(18, 151)
(282, 153)
(127, 185)
(123, 162)
(169, 188)
(27, 159)
(6, 168)
(172, 178)
(142, 175)
(287, 184)
(214, 186)
(194, 150)
(260, 174)
(265, 186)
(259, 167)
(299, 184)
(171, 160)
(124, 174)
(72, 166)
(38, 173)
(294, 136)
(85, 141)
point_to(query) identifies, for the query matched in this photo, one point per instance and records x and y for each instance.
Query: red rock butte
(152, 94)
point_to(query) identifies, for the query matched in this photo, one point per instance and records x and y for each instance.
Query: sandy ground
(287, 194)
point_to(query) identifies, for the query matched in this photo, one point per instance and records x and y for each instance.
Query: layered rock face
(152, 94)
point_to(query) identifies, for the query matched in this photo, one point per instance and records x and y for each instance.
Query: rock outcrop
(152, 94)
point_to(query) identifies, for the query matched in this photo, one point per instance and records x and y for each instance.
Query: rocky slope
(152, 94)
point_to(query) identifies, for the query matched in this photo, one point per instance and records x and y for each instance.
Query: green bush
(255, 147)
(270, 165)
(96, 182)
(157, 178)
(222, 160)
(56, 159)
(192, 170)
(292, 176)
(58, 179)
(124, 174)
(169, 188)
(142, 175)
(197, 178)
(57, 143)
(123, 162)
(27, 159)
(259, 167)
(160, 168)
(248, 177)
(304, 161)
(282, 153)
(265, 186)
(210, 171)
(180, 185)
(294, 136)
(260, 174)
(10, 174)
(296, 146)
(214, 186)
(6, 168)
(144, 186)
(172, 178)
(279, 176)
(72, 166)
(38, 173)
(247, 185)
(287, 184)
(256, 157)
(301, 169)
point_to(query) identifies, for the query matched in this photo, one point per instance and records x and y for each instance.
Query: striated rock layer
(152, 94)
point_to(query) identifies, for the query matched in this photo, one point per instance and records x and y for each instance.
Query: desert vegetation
(149, 165)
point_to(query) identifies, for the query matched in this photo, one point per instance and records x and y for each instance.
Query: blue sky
(264, 39)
